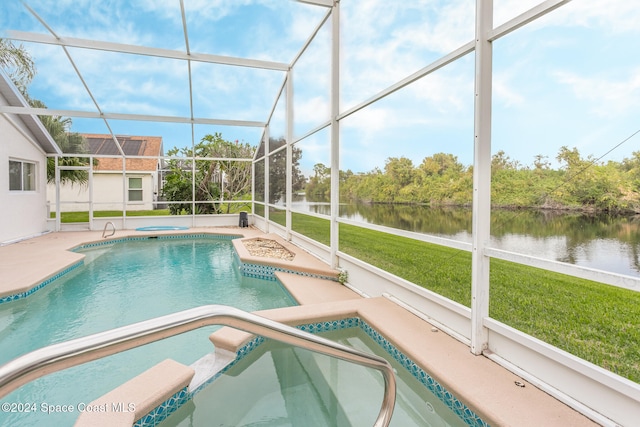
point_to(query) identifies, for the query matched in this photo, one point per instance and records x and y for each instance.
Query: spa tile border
(459, 408)
(452, 402)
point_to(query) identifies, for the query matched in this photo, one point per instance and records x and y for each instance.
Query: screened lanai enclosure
(187, 113)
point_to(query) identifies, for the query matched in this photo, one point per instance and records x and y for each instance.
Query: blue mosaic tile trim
(248, 348)
(25, 294)
(166, 408)
(333, 325)
(267, 272)
(237, 264)
(199, 236)
(158, 237)
(459, 408)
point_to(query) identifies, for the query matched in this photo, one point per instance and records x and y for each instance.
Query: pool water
(120, 284)
(277, 385)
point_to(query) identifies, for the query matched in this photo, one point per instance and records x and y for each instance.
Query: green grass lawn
(594, 321)
(67, 217)
(84, 216)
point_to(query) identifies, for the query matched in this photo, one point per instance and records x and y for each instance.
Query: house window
(135, 189)
(22, 176)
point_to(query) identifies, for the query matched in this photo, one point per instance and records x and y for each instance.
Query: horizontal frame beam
(325, 3)
(126, 116)
(525, 18)
(25, 36)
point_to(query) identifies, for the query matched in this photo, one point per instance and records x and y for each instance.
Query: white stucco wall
(24, 213)
(107, 193)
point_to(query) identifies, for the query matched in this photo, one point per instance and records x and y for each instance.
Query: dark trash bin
(244, 220)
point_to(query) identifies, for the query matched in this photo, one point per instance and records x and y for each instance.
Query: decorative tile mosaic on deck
(267, 272)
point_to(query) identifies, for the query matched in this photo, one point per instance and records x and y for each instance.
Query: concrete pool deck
(485, 387)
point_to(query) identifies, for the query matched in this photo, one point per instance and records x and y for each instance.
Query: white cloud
(387, 41)
(451, 27)
(609, 96)
(114, 21)
(120, 83)
(504, 10)
(609, 16)
(234, 92)
(507, 89)
(57, 80)
(505, 93)
(312, 111)
(446, 93)
(368, 123)
(204, 11)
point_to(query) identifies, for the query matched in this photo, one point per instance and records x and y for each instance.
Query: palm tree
(21, 69)
(17, 62)
(69, 142)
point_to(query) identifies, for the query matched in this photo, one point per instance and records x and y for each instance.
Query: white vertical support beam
(57, 178)
(90, 172)
(267, 159)
(125, 194)
(253, 187)
(481, 178)
(193, 150)
(193, 177)
(289, 160)
(335, 131)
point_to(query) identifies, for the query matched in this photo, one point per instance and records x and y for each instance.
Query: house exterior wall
(24, 213)
(107, 193)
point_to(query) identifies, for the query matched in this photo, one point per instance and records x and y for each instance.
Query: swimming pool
(277, 385)
(122, 283)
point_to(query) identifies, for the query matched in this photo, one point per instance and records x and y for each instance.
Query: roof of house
(14, 98)
(103, 144)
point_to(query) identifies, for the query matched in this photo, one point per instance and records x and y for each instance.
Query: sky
(570, 78)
